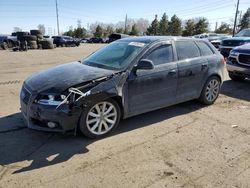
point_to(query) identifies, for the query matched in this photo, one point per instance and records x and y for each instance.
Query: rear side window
(186, 49)
(205, 49)
(161, 55)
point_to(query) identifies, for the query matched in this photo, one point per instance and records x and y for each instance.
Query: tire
(29, 37)
(39, 46)
(4, 46)
(11, 44)
(97, 125)
(210, 91)
(21, 34)
(32, 44)
(39, 36)
(47, 44)
(35, 32)
(236, 78)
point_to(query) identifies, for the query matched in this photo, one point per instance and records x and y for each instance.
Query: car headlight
(234, 53)
(53, 100)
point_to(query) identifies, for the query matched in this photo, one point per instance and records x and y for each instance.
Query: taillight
(223, 61)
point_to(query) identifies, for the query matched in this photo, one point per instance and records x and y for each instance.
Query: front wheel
(100, 119)
(210, 91)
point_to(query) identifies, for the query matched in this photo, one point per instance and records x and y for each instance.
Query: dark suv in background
(116, 36)
(65, 41)
(128, 77)
(238, 63)
(241, 38)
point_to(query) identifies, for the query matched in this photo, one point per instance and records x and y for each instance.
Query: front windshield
(244, 33)
(115, 56)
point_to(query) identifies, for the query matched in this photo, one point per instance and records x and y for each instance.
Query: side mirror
(145, 64)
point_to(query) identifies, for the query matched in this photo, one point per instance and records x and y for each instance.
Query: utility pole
(236, 15)
(126, 20)
(216, 26)
(58, 30)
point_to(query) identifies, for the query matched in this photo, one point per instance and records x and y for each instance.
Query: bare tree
(142, 25)
(41, 27)
(16, 29)
(79, 23)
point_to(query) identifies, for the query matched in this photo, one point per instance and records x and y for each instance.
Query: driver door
(156, 88)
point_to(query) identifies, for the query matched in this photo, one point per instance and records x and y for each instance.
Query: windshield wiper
(102, 66)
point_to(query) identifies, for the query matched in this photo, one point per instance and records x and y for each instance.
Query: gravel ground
(186, 145)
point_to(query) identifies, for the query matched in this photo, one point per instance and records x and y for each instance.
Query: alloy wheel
(212, 90)
(101, 118)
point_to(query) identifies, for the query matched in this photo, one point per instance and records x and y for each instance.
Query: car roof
(151, 39)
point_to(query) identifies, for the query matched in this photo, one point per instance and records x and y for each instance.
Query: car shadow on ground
(40, 149)
(238, 90)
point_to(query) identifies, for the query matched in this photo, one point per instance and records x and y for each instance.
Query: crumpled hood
(62, 77)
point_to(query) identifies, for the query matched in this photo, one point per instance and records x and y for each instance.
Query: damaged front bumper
(40, 117)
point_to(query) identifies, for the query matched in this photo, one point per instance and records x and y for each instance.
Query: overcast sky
(27, 14)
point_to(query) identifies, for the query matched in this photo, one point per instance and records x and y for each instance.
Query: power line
(196, 8)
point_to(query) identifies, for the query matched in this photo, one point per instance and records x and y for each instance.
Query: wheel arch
(216, 75)
(118, 99)
(205, 81)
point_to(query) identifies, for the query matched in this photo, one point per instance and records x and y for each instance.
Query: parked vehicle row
(243, 37)
(214, 38)
(113, 37)
(65, 41)
(128, 77)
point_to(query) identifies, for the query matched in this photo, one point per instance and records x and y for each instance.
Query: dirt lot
(187, 145)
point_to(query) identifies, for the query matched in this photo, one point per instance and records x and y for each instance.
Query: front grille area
(230, 43)
(25, 95)
(245, 59)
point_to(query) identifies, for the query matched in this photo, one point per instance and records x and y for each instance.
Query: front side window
(161, 55)
(186, 50)
(115, 56)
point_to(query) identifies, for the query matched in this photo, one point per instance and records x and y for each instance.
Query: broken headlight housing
(50, 99)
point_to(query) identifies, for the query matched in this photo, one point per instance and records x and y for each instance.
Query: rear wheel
(100, 119)
(210, 91)
(236, 78)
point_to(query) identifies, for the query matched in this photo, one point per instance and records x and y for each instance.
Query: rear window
(204, 48)
(186, 49)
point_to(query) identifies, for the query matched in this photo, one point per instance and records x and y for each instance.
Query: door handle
(204, 66)
(172, 73)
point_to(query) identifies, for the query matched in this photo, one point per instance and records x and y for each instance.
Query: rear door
(191, 69)
(152, 89)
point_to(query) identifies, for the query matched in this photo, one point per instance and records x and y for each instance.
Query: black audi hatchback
(128, 77)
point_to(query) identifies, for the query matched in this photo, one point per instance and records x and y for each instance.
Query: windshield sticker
(138, 44)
